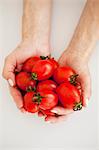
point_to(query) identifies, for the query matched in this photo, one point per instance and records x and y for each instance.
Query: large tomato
(48, 99)
(29, 104)
(69, 96)
(43, 69)
(29, 63)
(44, 100)
(63, 74)
(24, 81)
(46, 85)
(52, 60)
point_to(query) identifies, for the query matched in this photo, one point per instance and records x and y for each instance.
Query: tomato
(29, 63)
(54, 62)
(24, 81)
(29, 104)
(49, 99)
(46, 85)
(44, 100)
(69, 96)
(63, 74)
(43, 69)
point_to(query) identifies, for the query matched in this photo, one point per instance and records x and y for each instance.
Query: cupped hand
(14, 61)
(80, 65)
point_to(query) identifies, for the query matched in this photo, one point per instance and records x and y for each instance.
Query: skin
(35, 41)
(76, 55)
(78, 52)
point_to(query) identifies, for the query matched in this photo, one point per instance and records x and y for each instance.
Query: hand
(80, 65)
(14, 61)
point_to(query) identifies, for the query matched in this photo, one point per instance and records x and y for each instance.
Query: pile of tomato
(44, 85)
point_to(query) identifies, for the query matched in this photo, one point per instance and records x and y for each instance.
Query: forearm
(87, 32)
(36, 19)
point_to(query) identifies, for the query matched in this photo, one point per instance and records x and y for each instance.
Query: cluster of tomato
(44, 85)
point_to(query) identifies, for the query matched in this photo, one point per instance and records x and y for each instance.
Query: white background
(18, 130)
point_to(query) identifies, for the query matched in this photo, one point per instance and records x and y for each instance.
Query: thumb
(86, 87)
(8, 70)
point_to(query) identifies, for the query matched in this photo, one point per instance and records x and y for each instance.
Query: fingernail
(54, 111)
(10, 82)
(23, 111)
(86, 102)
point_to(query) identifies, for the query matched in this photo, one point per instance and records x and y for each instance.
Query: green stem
(44, 57)
(78, 106)
(37, 98)
(73, 79)
(34, 76)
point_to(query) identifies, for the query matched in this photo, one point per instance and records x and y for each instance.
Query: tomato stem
(34, 76)
(29, 89)
(73, 79)
(37, 98)
(44, 57)
(78, 106)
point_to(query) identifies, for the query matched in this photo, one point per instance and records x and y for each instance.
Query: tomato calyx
(34, 76)
(37, 98)
(44, 57)
(30, 89)
(73, 79)
(78, 106)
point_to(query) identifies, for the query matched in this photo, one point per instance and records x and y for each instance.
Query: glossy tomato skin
(46, 85)
(63, 74)
(43, 69)
(68, 95)
(29, 105)
(49, 100)
(54, 62)
(24, 81)
(29, 63)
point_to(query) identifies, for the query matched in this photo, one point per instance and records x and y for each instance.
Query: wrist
(76, 55)
(43, 37)
(42, 47)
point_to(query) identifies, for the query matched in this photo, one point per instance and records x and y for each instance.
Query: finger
(86, 88)
(19, 67)
(8, 71)
(52, 119)
(61, 111)
(16, 96)
(23, 110)
(40, 114)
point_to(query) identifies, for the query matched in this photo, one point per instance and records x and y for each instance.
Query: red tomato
(44, 100)
(54, 62)
(29, 104)
(46, 85)
(69, 96)
(43, 69)
(29, 63)
(48, 99)
(24, 81)
(63, 74)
